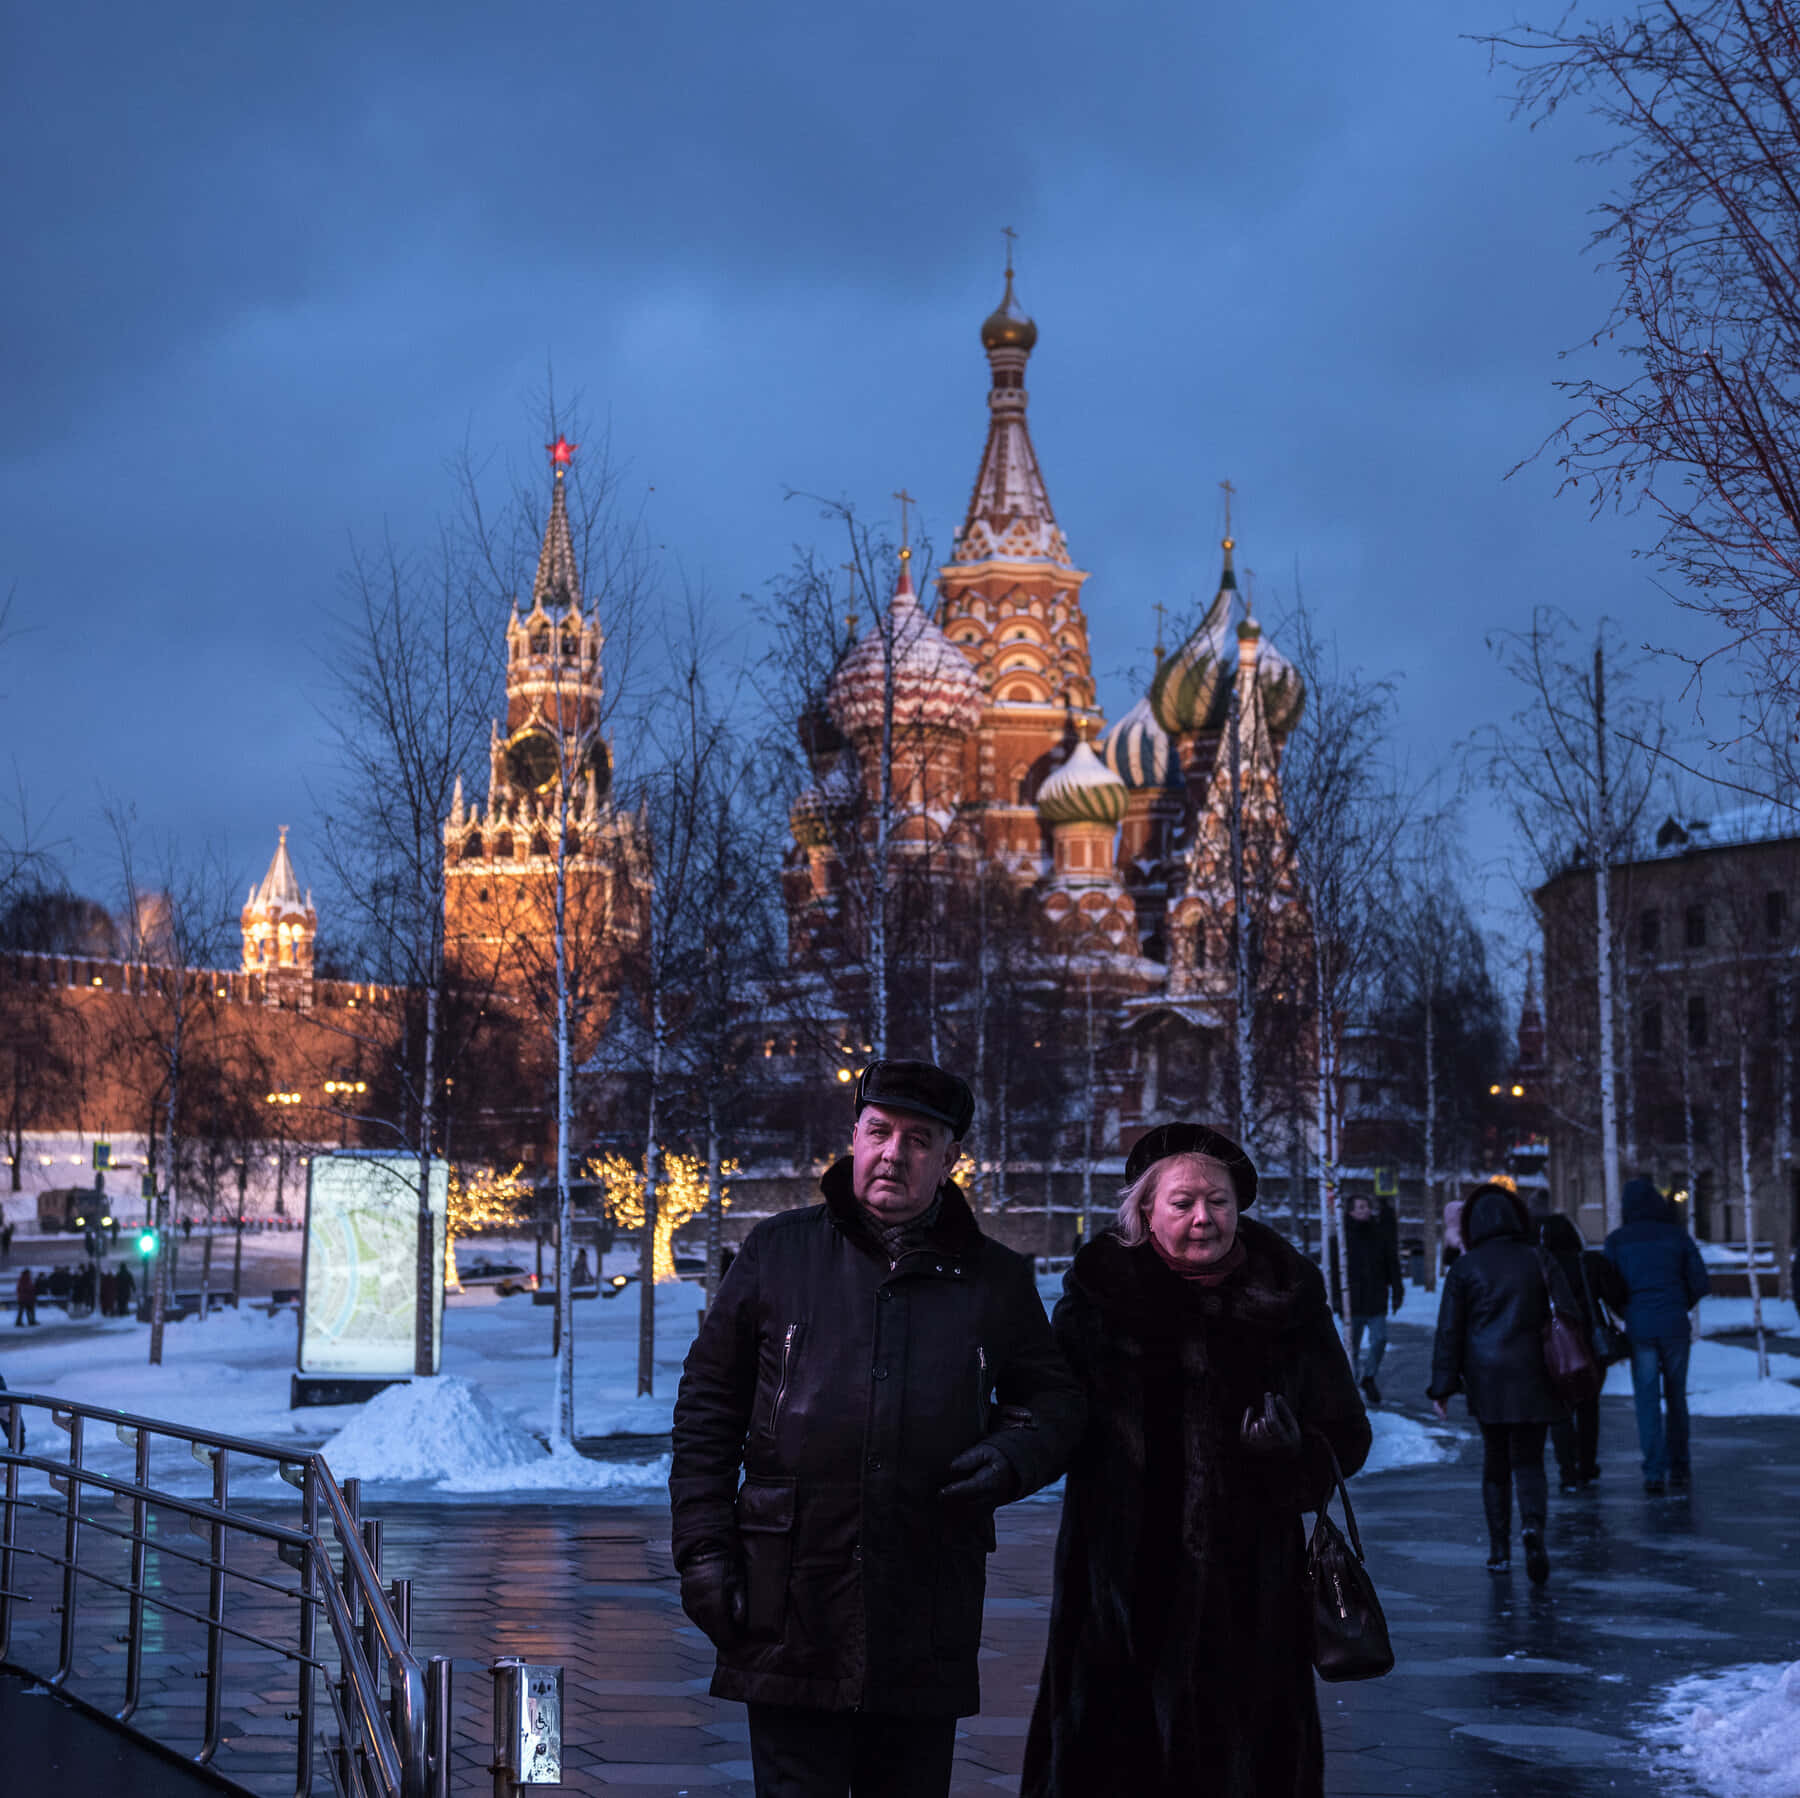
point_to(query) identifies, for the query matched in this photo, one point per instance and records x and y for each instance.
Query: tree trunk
(646, 1368)
(715, 1198)
(425, 1264)
(1749, 1192)
(1602, 848)
(1087, 1123)
(1687, 1134)
(1240, 931)
(168, 1203)
(1431, 1172)
(237, 1247)
(564, 1430)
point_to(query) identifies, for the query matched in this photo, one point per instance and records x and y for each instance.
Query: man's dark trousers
(1661, 1362)
(848, 1754)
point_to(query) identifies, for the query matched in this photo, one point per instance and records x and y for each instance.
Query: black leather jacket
(842, 1388)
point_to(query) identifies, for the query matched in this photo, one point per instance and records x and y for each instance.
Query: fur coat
(1180, 1652)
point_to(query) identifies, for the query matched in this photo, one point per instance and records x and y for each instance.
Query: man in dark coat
(884, 1376)
(1376, 1284)
(1490, 1344)
(1664, 1278)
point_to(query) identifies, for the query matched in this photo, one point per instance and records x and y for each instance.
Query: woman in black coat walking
(1180, 1651)
(1490, 1345)
(1590, 1276)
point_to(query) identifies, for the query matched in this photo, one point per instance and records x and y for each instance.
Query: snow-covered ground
(461, 1434)
(1735, 1730)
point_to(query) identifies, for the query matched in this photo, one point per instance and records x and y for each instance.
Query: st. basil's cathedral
(1117, 842)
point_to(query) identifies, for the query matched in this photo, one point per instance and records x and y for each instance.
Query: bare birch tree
(1701, 103)
(1575, 768)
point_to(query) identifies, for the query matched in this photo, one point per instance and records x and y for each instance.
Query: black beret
(918, 1086)
(1163, 1140)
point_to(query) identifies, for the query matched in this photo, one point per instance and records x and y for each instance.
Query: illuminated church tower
(550, 765)
(280, 925)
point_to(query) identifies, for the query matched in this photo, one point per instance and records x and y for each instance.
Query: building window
(1696, 1021)
(1696, 926)
(1650, 1029)
(1649, 931)
(1774, 914)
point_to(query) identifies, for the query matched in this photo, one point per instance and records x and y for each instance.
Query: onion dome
(817, 808)
(1082, 791)
(935, 686)
(1138, 750)
(1280, 687)
(1007, 327)
(1191, 686)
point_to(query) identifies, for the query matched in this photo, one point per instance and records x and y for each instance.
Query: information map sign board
(361, 1284)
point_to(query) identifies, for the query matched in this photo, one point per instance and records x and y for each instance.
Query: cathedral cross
(1159, 609)
(905, 499)
(1011, 236)
(1228, 490)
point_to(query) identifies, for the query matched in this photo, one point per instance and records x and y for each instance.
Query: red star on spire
(562, 452)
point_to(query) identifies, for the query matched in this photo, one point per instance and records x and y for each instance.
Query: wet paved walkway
(1500, 1689)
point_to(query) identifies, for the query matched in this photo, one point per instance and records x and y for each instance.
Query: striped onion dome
(1191, 686)
(1139, 751)
(935, 684)
(1082, 791)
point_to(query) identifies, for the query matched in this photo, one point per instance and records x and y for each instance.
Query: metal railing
(386, 1729)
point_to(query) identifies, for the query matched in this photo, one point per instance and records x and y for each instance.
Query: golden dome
(1007, 327)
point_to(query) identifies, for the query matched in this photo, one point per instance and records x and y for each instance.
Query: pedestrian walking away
(1590, 1276)
(881, 1376)
(1490, 1346)
(127, 1290)
(1180, 1658)
(26, 1293)
(1375, 1283)
(1664, 1279)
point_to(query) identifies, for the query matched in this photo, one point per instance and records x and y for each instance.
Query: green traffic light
(147, 1242)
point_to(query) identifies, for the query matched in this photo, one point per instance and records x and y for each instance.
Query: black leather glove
(1271, 1433)
(712, 1594)
(985, 1478)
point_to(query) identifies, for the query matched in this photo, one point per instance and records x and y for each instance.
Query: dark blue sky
(270, 267)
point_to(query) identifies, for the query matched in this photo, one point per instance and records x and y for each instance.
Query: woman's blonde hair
(1135, 1200)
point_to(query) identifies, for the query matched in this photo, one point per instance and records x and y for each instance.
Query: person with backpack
(1664, 1278)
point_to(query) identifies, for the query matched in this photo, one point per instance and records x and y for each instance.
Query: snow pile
(1404, 1442)
(449, 1433)
(1736, 1729)
(1722, 1382)
(434, 1429)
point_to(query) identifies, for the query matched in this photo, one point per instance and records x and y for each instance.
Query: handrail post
(15, 1444)
(140, 1549)
(215, 1609)
(71, 1549)
(438, 1701)
(309, 1600)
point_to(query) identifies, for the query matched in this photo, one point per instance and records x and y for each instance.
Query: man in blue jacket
(1664, 1279)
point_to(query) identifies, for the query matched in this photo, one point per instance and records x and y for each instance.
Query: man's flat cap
(921, 1087)
(1164, 1140)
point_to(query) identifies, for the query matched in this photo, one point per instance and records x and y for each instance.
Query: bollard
(438, 1705)
(527, 1725)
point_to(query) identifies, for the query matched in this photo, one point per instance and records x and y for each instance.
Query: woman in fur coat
(1180, 1652)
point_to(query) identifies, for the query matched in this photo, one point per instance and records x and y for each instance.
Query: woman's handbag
(1608, 1342)
(1350, 1635)
(1575, 1376)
